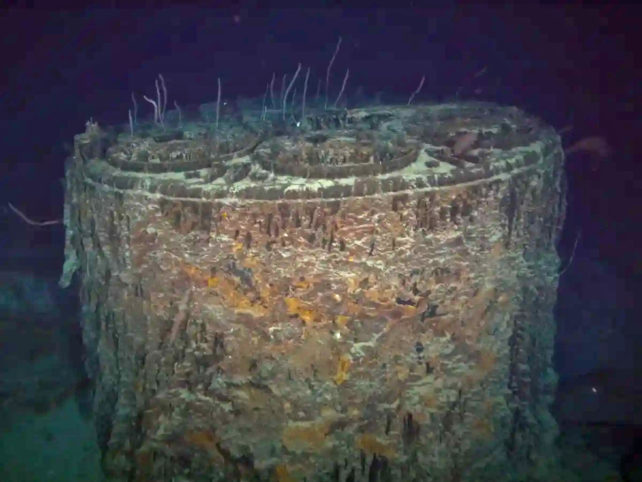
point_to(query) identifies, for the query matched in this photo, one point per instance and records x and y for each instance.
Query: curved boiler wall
(368, 299)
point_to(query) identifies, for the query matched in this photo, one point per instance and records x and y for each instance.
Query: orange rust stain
(303, 310)
(251, 262)
(380, 296)
(342, 369)
(301, 284)
(268, 293)
(353, 309)
(341, 320)
(232, 297)
(409, 310)
(305, 436)
(195, 273)
(237, 247)
(371, 445)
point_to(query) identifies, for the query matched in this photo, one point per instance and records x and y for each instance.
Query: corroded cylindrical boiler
(368, 298)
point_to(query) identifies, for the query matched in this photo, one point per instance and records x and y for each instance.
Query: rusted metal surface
(368, 299)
